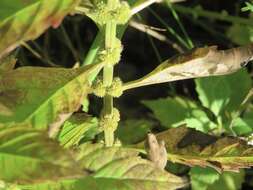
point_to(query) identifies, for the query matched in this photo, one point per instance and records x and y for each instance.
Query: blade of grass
(149, 31)
(158, 56)
(169, 29)
(176, 17)
(68, 43)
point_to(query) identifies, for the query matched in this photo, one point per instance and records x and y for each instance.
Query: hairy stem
(110, 38)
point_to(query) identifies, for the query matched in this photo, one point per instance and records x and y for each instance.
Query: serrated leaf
(202, 178)
(133, 131)
(28, 155)
(173, 112)
(25, 20)
(116, 168)
(75, 128)
(94, 156)
(42, 97)
(121, 163)
(200, 62)
(139, 171)
(190, 147)
(221, 93)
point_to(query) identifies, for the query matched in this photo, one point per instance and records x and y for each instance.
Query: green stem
(110, 38)
(175, 15)
(93, 51)
(212, 15)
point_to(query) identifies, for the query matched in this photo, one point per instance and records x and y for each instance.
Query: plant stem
(110, 38)
(212, 15)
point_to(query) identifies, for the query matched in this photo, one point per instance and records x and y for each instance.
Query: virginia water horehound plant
(47, 143)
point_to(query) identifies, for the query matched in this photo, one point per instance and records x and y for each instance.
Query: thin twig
(147, 3)
(148, 30)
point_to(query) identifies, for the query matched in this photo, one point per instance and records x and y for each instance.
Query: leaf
(209, 179)
(202, 178)
(115, 168)
(221, 93)
(193, 148)
(173, 112)
(240, 34)
(27, 155)
(229, 181)
(200, 62)
(94, 156)
(248, 7)
(25, 20)
(75, 128)
(123, 165)
(242, 126)
(7, 64)
(102, 183)
(40, 97)
(141, 172)
(133, 131)
(214, 93)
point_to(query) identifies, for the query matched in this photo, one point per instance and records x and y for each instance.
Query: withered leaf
(123, 164)
(188, 146)
(27, 156)
(200, 62)
(41, 97)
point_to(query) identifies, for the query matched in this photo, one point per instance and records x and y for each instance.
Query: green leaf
(42, 97)
(25, 20)
(193, 148)
(133, 131)
(173, 112)
(228, 181)
(202, 178)
(221, 93)
(28, 155)
(75, 128)
(213, 93)
(242, 126)
(240, 34)
(209, 179)
(248, 7)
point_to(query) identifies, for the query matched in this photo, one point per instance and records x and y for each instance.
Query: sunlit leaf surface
(22, 20)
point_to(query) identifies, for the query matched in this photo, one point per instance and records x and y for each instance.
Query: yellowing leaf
(25, 20)
(114, 168)
(193, 148)
(200, 62)
(123, 165)
(27, 155)
(42, 97)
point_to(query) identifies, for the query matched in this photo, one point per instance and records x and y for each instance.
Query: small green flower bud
(98, 88)
(115, 90)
